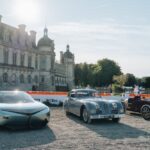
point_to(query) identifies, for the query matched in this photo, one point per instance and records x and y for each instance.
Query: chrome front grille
(106, 108)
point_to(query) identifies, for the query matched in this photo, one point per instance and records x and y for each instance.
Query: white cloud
(90, 42)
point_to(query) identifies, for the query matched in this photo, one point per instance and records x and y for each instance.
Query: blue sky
(95, 29)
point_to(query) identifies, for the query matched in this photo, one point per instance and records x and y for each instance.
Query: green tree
(100, 74)
(78, 72)
(106, 70)
(146, 82)
(120, 80)
(130, 80)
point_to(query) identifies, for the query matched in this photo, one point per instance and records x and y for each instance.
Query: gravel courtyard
(70, 133)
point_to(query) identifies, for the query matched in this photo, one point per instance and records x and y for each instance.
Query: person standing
(136, 89)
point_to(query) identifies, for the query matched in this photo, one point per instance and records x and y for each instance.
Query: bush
(116, 88)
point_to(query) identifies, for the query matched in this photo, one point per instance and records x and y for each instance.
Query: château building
(25, 65)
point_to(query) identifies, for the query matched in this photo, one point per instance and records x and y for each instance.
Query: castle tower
(68, 59)
(46, 62)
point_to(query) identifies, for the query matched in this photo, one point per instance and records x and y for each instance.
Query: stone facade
(25, 65)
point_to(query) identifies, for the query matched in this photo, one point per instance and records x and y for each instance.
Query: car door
(137, 103)
(78, 103)
(130, 103)
(71, 102)
(134, 103)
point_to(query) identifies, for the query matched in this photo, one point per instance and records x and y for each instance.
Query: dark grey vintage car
(86, 104)
(19, 110)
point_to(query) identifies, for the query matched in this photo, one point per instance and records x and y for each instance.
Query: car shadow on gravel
(111, 130)
(15, 139)
(137, 115)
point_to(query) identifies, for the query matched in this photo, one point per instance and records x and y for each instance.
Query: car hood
(23, 108)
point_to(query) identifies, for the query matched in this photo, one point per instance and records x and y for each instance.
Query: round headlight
(98, 107)
(114, 105)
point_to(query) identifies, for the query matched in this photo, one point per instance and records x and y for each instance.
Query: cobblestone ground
(70, 133)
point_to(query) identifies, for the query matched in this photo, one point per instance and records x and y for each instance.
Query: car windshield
(84, 94)
(15, 97)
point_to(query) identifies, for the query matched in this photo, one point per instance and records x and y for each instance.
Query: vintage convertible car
(19, 110)
(88, 105)
(139, 104)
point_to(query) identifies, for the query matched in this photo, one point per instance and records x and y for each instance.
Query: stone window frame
(5, 77)
(22, 59)
(36, 80)
(14, 58)
(53, 80)
(29, 78)
(6, 55)
(36, 62)
(13, 78)
(29, 61)
(56, 79)
(42, 79)
(6, 36)
(22, 78)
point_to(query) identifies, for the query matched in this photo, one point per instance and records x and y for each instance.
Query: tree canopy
(104, 73)
(100, 74)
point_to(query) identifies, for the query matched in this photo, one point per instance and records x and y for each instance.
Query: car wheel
(145, 110)
(116, 120)
(85, 116)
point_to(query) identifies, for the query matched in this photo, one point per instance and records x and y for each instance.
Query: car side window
(72, 95)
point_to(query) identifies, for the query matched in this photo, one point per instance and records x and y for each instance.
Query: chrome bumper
(109, 116)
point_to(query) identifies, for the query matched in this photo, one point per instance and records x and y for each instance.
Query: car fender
(65, 104)
(91, 107)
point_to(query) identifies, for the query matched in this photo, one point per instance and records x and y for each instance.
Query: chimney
(61, 57)
(22, 27)
(33, 36)
(0, 18)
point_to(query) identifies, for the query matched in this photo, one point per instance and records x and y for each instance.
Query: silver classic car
(87, 104)
(19, 110)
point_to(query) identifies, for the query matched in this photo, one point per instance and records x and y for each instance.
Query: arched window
(5, 77)
(13, 78)
(21, 78)
(29, 79)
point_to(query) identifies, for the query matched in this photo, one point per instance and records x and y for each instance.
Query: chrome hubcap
(146, 112)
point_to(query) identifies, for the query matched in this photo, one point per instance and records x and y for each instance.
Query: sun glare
(26, 10)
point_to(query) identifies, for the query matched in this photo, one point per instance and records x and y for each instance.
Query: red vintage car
(139, 104)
